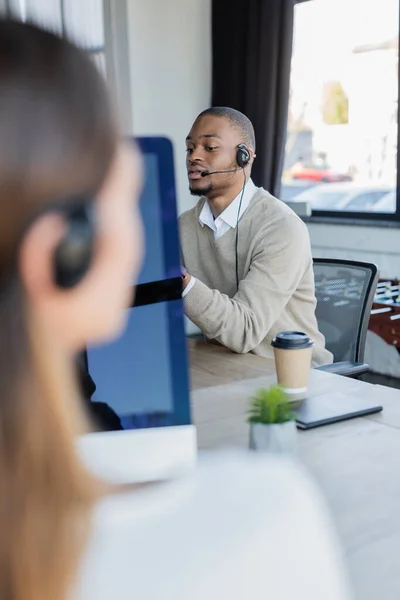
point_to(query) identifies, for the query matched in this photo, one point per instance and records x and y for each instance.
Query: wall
(372, 244)
(170, 65)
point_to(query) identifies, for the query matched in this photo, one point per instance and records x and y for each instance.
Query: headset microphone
(205, 173)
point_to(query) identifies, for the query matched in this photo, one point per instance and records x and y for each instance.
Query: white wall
(170, 63)
(379, 245)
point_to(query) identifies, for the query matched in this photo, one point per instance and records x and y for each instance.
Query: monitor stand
(139, 455)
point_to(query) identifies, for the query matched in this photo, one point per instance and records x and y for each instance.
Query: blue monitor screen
(158, 210)
(143, 376)
(154, 267)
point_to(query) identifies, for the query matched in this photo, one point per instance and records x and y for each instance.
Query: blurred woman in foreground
(70, 244)
(62, 170)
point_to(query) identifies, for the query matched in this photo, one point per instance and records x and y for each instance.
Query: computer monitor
(143, 376)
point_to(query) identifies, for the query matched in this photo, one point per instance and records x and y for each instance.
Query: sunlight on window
(79, 20)
(341, 148)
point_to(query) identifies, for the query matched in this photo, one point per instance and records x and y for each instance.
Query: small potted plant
(272, 421)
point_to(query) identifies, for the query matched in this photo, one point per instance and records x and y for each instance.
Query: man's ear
(36, 254)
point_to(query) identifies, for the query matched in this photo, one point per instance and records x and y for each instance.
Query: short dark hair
(237, 119)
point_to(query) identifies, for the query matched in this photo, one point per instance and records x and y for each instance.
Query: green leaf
(270, 405)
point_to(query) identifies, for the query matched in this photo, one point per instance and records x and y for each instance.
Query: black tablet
(331, 408)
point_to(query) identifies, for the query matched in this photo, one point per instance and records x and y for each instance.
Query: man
(247, 255)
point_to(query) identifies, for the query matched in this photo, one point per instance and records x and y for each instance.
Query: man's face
(211, 146)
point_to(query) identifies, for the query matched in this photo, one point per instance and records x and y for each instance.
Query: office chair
(345, 291)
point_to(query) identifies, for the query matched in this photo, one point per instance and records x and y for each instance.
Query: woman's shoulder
(219, 478)
(231, 525)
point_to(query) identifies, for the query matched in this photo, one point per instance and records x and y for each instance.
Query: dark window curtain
(251, 56)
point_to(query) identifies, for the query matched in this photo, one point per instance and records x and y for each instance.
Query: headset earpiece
(73, 255)
(242, 156)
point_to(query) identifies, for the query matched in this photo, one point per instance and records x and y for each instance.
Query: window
(341, 147)
(79, 20)
(99, 27)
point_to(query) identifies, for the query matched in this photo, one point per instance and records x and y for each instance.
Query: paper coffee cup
(293, 351)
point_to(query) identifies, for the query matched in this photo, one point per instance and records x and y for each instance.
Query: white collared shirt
(228, 219)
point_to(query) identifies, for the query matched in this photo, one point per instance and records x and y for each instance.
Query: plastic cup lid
(292, 340)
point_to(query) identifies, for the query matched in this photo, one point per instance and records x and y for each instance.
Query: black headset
(73, 255)
(242, 156)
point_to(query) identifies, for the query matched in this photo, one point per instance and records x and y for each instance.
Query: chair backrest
(345, 292)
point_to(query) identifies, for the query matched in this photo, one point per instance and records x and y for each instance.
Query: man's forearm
(224, 319)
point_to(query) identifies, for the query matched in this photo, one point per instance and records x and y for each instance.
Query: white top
(228, 219)
(240, 527)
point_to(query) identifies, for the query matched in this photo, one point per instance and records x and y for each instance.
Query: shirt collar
(230, 214)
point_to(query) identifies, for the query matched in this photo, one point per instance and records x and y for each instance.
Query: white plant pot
(280, 438)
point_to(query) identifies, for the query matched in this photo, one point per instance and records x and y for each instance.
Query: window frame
(115, 50)
(359, 217)
(90, 50)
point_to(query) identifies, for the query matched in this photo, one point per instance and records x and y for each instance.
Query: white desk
(356, 462)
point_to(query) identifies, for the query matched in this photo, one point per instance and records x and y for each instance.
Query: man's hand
(185, 278)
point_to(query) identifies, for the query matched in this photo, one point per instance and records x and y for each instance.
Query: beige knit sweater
(276, 289)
